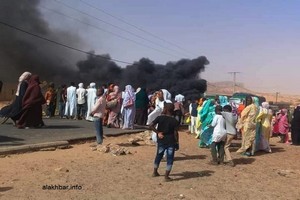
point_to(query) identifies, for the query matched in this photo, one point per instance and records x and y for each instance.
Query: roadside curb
(33, 147)
(56, 144)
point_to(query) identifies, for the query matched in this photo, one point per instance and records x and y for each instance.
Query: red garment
(32, 104)
(240, 109)
(283, 124)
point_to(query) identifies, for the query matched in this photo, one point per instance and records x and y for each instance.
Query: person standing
(62, 100)
(32, 105)
(247, 123)
(283, 126)
(230, 121)
(141, 106)
(13, 111)
(49, 96)
(70, 110)
(98, 112)
(91, 98)
(295, 126)
(218, 137)
(167, 139)
(115, 98)
(264, 118)
(128, 107)
(193, 113)
(179, 110)
(81, 103)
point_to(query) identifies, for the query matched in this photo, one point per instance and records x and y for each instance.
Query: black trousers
(217, 151)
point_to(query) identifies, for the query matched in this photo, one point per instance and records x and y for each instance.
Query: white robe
(71, 103)
(91, 99)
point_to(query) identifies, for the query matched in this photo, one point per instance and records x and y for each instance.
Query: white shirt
(80, 95)
(219, 133)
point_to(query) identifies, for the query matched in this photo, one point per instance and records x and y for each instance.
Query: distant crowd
(215, 122)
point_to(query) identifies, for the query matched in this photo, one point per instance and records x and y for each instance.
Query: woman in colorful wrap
(248, 126)
(114, 112)
(283, 126)
(206, 116)
(264, 119)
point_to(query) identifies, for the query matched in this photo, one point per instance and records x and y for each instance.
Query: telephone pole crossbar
(234, 80)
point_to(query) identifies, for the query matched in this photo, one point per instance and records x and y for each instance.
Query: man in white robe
(70, 110)
(91, 99)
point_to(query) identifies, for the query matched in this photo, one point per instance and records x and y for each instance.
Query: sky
(258, 38)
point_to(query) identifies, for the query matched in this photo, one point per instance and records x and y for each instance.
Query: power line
(138, 28)
(120, 36)
(60, 44)
(117, 27)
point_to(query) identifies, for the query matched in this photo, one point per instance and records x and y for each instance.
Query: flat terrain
(91, 174)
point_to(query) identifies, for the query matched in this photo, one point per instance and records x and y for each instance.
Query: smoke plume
(20, 52)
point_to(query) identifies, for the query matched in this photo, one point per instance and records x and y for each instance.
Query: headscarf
(33, 94)
(284, 111)
(223, 101)
(256, 101)
(179, 98)
(22, 78)
(129, 94)
(92, 85)
(80, 85)
(265, 105)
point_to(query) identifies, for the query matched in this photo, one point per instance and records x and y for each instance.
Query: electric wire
(138, 28)
(118, 35)
(61, 44)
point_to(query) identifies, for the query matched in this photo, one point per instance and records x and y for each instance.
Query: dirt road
(81, 173)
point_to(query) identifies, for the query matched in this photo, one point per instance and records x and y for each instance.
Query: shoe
(155, 174)
(246, 154)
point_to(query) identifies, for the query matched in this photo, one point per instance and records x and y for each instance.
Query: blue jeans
(170, 150)
(99, 130)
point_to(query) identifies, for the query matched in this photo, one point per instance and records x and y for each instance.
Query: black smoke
(20, 52)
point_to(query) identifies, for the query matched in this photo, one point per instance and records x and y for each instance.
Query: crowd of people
(215, 122)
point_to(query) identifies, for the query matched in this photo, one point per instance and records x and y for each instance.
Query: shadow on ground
(188, 175)
(243, 161)
(189, 157)
(4, 189)
(12, 140)
(61, 127)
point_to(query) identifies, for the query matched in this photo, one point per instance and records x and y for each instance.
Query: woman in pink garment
(283, 126)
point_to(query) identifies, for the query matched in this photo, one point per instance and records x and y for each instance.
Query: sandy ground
(98, 175)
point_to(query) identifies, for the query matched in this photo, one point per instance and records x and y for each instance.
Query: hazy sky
(258, 38)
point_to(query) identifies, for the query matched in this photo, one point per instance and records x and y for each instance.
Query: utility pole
(234, 80)
(277, 93)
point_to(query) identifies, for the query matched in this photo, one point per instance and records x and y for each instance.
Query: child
(230, 121)
(167, 138)
(98, 112)
(218, 137)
